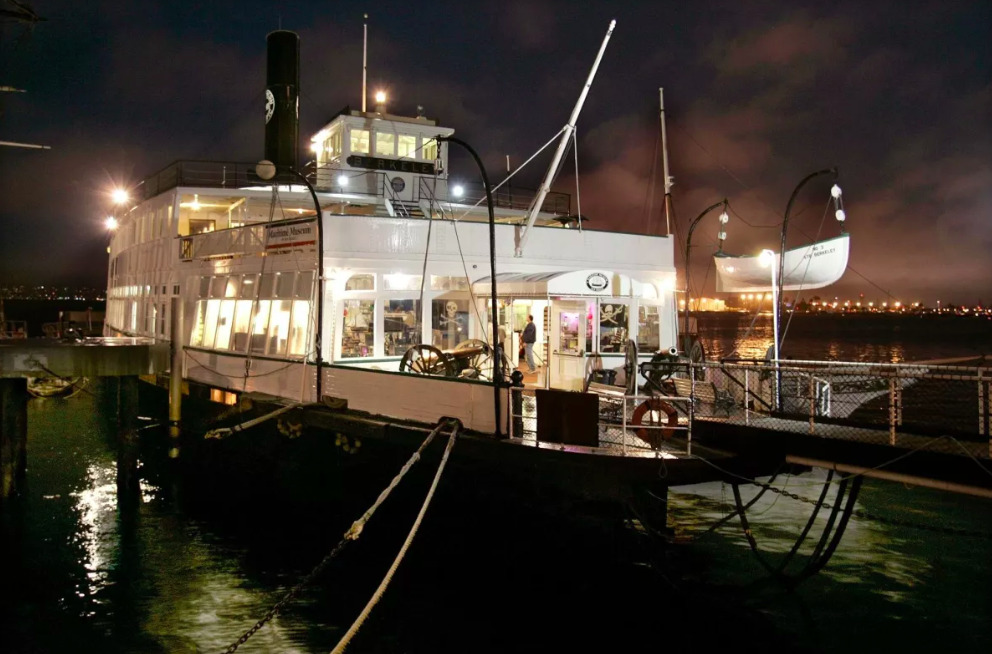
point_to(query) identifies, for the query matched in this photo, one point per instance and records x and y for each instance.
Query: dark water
(497, 566)
(886, 338)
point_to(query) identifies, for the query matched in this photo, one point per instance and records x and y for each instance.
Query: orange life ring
(647, 408)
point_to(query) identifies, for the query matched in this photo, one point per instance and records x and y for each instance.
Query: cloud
(798, 41)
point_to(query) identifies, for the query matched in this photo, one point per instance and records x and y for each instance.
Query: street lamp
(688, 244)
(835, 192)
(498, 358)
(768, 258)
(267, 170)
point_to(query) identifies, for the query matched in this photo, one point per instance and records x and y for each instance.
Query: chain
(877, 518)
(289, 596)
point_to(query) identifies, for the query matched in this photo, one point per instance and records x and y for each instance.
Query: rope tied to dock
(377, 595)
(354, 532)
(224, 432)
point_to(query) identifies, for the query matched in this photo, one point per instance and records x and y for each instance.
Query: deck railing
(894, 404)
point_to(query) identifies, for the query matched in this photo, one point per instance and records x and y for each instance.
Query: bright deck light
(835, 191)
(458, 190)
(380, 96)
(111, 223)
(119, 196)
(342, 180)
(840, 215)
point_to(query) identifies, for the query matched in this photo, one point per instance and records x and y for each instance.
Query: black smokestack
(282, 106)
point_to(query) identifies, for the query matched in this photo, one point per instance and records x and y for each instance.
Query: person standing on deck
(529, 338)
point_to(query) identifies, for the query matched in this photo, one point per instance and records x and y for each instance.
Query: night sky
(758, 95)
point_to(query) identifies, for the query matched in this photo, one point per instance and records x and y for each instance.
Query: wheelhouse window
(429, 151)
(648, 326)
(358, 335)
(360, 141)
(406, 146)
(385, 144)
(612, 327)
(400, 325)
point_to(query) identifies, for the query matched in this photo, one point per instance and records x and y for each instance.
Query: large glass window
(360, 283)
(258, 328)
(401, 325)
(210, 323)
(429, 151)
(242, 318)
(358, 335)
(406, 145)
(279, 327)
(225, 321)
(300, 330)
(612, 327)
(648, 335)
(385, 144)
(449, 323)
(401, 282)
(360, 141)
(448, 283)
(284, 284)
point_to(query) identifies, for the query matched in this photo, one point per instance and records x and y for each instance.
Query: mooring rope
(377, 595)
(223, 432)
(352, 534)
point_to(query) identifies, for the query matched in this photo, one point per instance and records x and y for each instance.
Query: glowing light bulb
(835, 191)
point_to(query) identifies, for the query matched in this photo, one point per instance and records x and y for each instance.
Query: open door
(567, 344)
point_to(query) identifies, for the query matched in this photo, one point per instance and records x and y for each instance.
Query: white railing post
(892, 411)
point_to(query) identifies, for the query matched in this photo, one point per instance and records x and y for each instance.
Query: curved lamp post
(688, 244)
(267, 170)
(498, 358)
(785, 224)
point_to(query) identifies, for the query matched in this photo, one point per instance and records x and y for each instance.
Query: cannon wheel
(692, 349)
(426, 359)
(476, 362)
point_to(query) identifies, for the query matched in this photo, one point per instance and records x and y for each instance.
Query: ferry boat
(369, 283)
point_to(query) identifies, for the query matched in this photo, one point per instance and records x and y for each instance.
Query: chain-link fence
(895, 404)
(905, 405)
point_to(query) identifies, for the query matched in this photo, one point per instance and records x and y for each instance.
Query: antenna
(365, 49)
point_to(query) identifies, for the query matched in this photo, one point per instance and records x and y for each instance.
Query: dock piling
(13, 434)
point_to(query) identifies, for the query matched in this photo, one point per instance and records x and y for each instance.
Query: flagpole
(365, 48)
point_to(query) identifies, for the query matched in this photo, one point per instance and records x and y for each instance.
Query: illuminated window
(449, 322)
(332, 146)
(385, 144)
(279, 327)
(360, 283)
(217, 286)
(648, 335)
(401, 282)
(259, 327)
(242, 321)
(360, 141)
(429, 151)
(225, 320)
(400, 325)
(612, 327)
(249, 286)
(447, 283)
(406, 145)
(300, 330)
(358, 336)
(233, 284)
(210, 323)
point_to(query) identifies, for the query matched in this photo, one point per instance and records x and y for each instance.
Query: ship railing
(505, 197)
(247, 239)
(894, 404)
(207, 174)
(627, 425)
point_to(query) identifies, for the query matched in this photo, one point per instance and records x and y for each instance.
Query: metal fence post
(892, 411)
(747, 396)
(812, 402)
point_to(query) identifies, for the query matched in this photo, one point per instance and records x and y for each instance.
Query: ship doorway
(569, 337)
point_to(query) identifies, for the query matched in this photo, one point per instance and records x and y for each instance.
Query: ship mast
(559, 153)
(664, 159)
